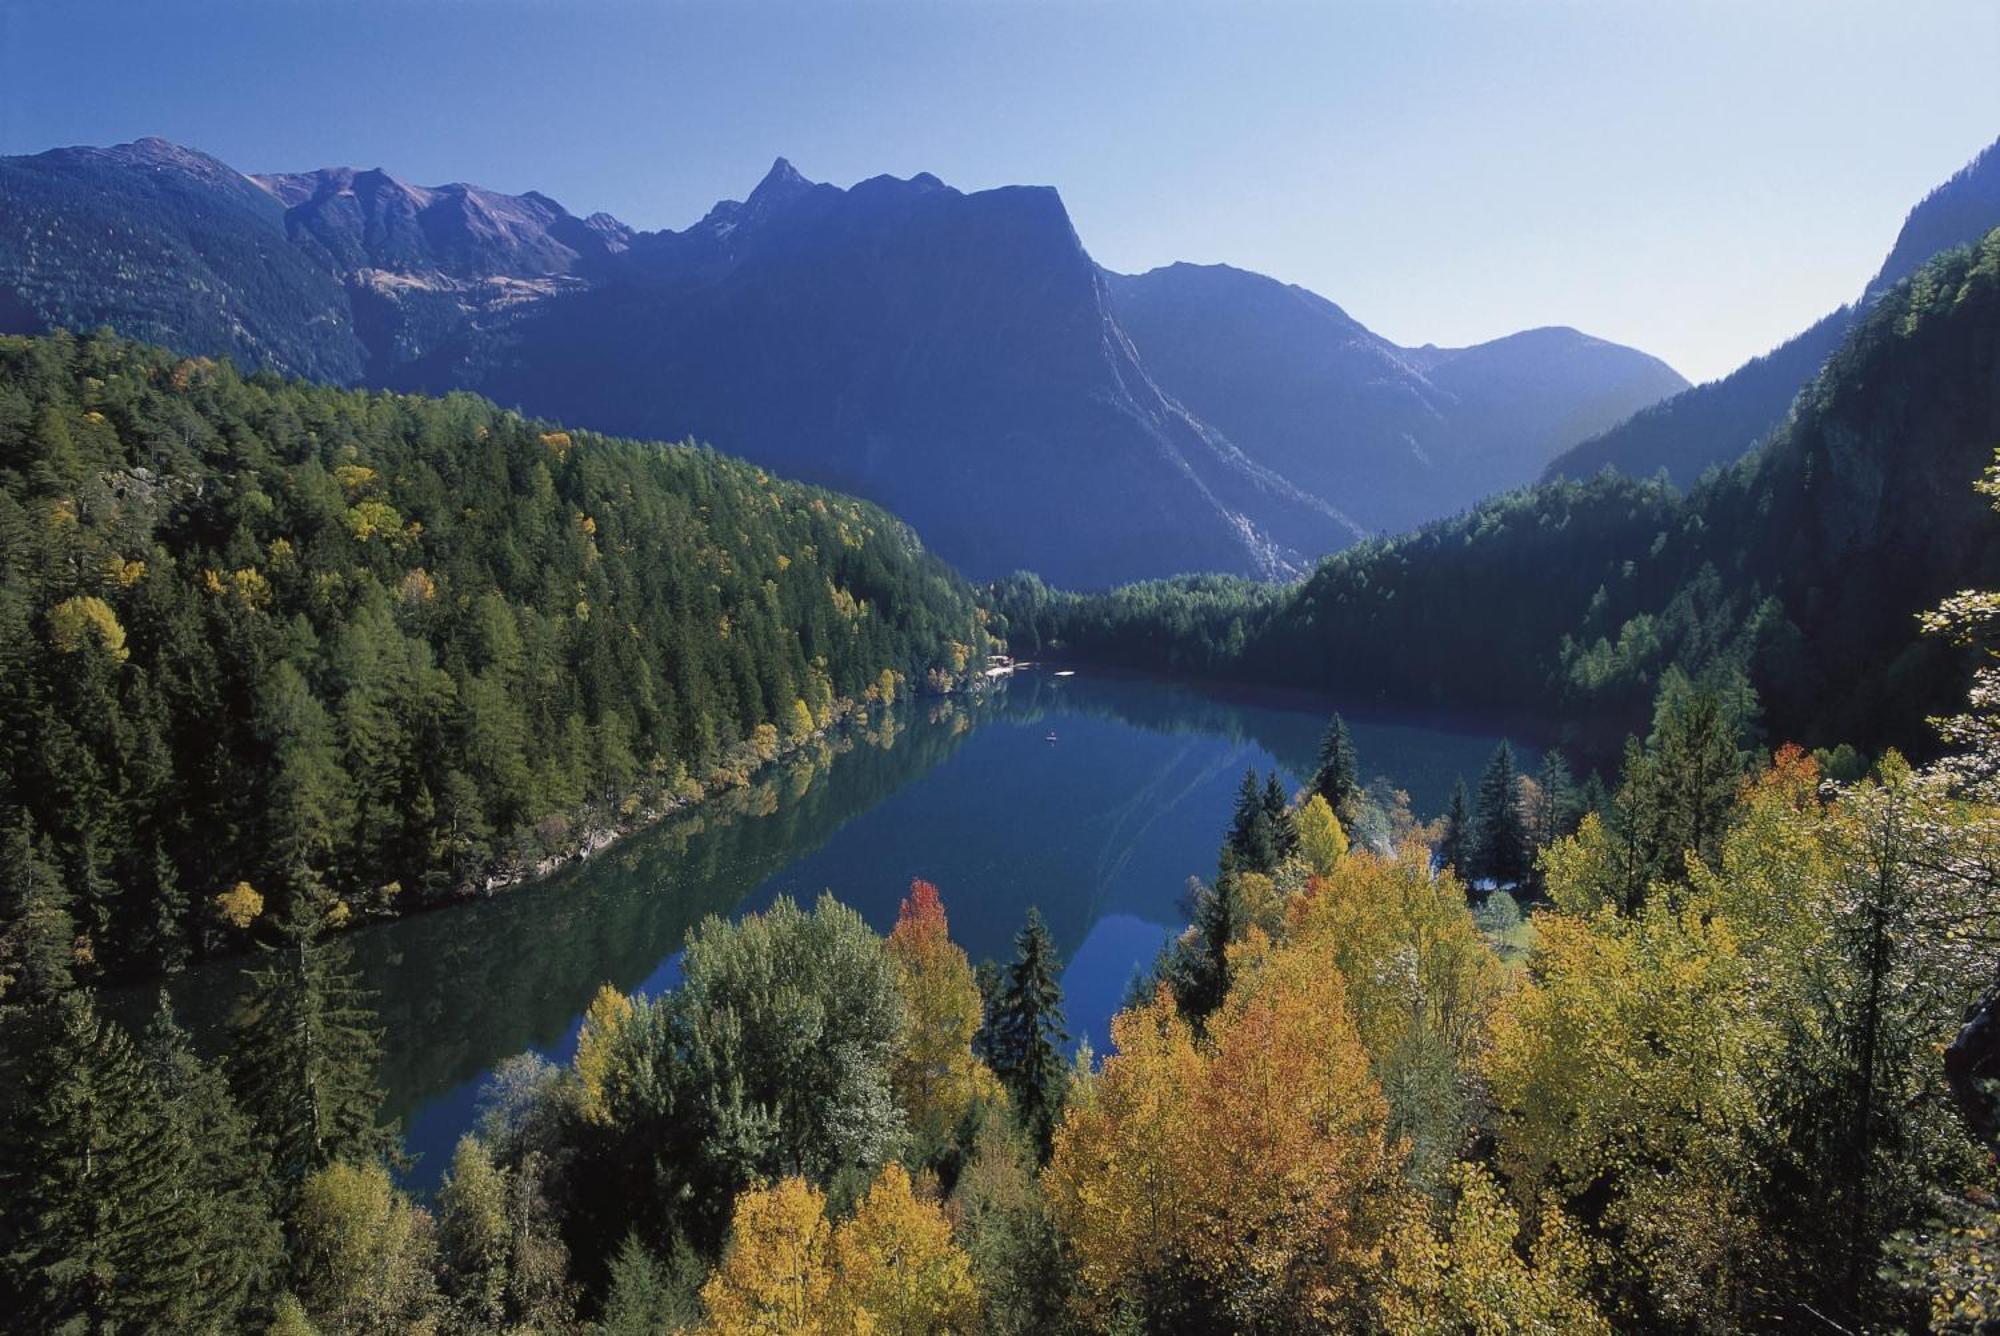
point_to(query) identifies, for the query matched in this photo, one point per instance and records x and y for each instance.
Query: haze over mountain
(1716, 422)
(958, 357)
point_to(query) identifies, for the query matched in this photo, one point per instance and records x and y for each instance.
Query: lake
(1100, 828)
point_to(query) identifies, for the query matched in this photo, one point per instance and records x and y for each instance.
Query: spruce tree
(97, 1230)
(1028, 1033)
(1455, 847)
(1555, 813)
(307, 1052)
(1202, 980)
(238, 1246)
(1253, 845)
(1283, 838)
(37, 932)
(1500, 851)
(1338, 777)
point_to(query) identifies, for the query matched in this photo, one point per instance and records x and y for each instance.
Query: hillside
(1718, 422)
(1804, 566)
(261, 637)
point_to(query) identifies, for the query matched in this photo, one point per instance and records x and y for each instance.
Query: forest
(1803, 568)
(1715, 1081)
(263, 642)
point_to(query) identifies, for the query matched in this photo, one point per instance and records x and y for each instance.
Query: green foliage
(1500, 850)
(1803, 566)
(97, 1230)
(306, 1055)
(1025, 1033)
(379, 646)
(1338, 778)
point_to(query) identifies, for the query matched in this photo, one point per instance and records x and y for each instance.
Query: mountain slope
(1804, 565)
(948, 355)
(1716, 422)
(1395, 436)
(956, 356)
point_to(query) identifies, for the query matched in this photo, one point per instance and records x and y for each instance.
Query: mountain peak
(781, 183)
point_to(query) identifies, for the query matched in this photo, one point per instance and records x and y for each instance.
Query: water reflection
(1100, 828)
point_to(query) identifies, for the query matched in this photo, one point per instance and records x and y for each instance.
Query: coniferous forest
(466, 871)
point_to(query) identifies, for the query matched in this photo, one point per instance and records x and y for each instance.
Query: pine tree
(167, 944)
(37, 933)
(1253, 846)
(1500, 851)
(1455, 846)
(1203, 979)
(1339, 775)
(237, 1244)
(307, 1053)
(97, 1229)
(1028, 1032)
(1284, 840)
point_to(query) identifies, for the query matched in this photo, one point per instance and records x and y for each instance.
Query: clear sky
(1700, 178)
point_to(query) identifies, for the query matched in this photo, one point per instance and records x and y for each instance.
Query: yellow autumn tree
(240, 905)
(1628, 1068)
(935, 1074)
(86, 620)
(1322, 843)
(610, 1011)
(365, 1255)
(777, 1277)
(897, 1271)
(1475, 1276)
(1422, 984)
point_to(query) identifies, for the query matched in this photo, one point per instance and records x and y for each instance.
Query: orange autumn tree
(1244, 1178)
(936, 1077)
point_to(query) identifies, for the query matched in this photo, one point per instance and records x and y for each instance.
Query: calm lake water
(1101, 829)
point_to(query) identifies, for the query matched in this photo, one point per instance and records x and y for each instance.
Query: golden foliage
(935, 1074)
(778, 1274)
(1322, 843)
(610, 1011)
(1255, 1160)
(240, 905)
(86, 620)
(897, 1271)
(1475, 1278)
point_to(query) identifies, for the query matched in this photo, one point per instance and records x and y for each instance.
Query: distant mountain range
(1717, 422)
(957, 357)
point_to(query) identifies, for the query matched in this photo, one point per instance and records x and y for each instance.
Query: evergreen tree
(1201, 980)
(237, 1245)
(1555, 813)
(1028, 1034)
(1500, 850)
(37, 933)
(1455, 846)
(97, 1229)
(1284, 840)
(1253, 845)
(1338, 777)
(307, 1053)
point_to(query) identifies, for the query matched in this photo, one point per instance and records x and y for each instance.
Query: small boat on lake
(1050, 738)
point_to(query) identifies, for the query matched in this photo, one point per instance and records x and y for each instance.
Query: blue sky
(1697, 178)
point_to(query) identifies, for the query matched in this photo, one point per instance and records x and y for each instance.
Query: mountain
(1803, 566)
(956, 356)
(1395, 436)
(948, 355)
(1716, 422)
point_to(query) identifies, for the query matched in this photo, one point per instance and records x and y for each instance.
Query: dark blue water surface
(1100, 829)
